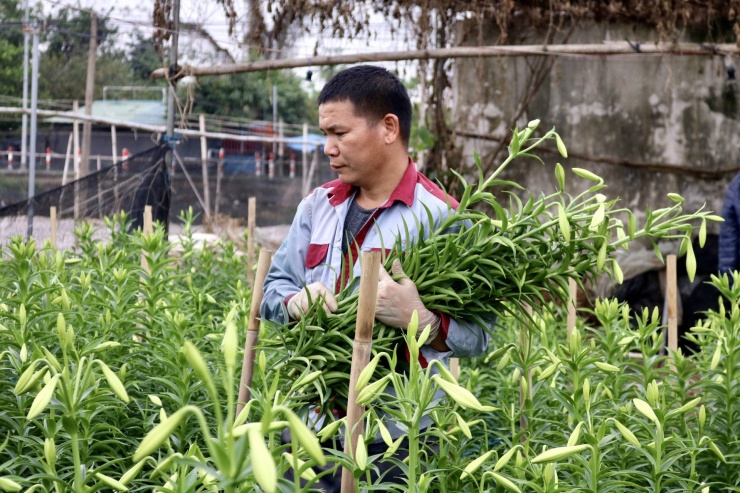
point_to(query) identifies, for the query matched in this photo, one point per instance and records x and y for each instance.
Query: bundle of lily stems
(478, 265)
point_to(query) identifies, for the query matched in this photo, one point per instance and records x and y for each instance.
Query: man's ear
(392, 128)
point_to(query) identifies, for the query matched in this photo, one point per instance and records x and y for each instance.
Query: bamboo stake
(253, 327)
(304, 157)
(114, 162)
(672, 302)
(609, 48)
(53, 225)
(113, 145)
(100, 191)
(572, 289)
(311, 169)
(204, 166)
(147, 231)
(219, 176)
(360, 356)
(527, 375)
(75, 160)
(66, 160)
(251, 224)
(455, 367)
(76, 133)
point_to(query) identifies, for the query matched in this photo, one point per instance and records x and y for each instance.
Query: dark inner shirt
(353, 223)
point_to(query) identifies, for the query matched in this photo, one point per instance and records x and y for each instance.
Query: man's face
(356, 148)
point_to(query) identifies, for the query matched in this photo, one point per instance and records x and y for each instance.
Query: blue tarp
(296, 143)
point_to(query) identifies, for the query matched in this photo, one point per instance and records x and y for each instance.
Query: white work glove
(299, 304)
(396, 302)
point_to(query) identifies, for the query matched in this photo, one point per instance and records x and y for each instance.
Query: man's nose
(330, 148)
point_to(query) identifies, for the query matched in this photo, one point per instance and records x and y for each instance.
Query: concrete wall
(659, 109)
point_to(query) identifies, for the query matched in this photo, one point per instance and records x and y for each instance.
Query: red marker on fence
(258, 164)
(10, 157)
(48, 158)
(124, 158)
(271, 166)
(221, 154)
(292, 165)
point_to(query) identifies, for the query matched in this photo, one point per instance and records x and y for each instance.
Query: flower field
(115, 377)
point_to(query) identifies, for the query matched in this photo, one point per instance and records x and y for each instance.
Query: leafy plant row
(114, 377)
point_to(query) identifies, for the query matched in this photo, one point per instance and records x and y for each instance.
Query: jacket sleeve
(287, 272)
(728, 230)
(466, 339)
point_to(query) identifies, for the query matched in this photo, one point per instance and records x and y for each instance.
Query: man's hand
(299, 304)
(396, 302)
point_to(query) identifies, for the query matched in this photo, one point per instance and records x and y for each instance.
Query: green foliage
(11, 54)
(475, 267)
(250, 96)
(12, 14)
(68, 32)
(63, 67)
(64, 77)
(121, 374)
(11, 68)
(102, 335)
(143, 58)
(654, 422)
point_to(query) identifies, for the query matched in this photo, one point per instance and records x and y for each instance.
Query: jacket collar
(404, 191)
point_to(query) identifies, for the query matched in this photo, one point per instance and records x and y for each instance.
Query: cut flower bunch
(477, 266)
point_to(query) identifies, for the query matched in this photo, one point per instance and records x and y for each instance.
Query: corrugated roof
(147, 112)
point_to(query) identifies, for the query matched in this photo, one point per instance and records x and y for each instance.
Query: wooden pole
(455, 367)
(251, 225)
(89, 90)
(360, 356)
(572, 301)
(253, 330)
(66, 160)
(281, 144)
(219, 175)
(608, 48)
(204, 166)
(76, 134)
(114, 159)
(76, 157)
(53, 226)
(147, 231)
(148, 227)
(304, 156)
(113, 145)
(100, 190)
(672, 302)
(314, 164)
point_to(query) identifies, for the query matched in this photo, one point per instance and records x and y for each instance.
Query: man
(729, 230)
(365, 113)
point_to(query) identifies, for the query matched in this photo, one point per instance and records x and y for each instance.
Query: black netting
(232, 180)
(127, 186)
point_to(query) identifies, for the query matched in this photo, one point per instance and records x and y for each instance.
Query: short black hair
(374, 92)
